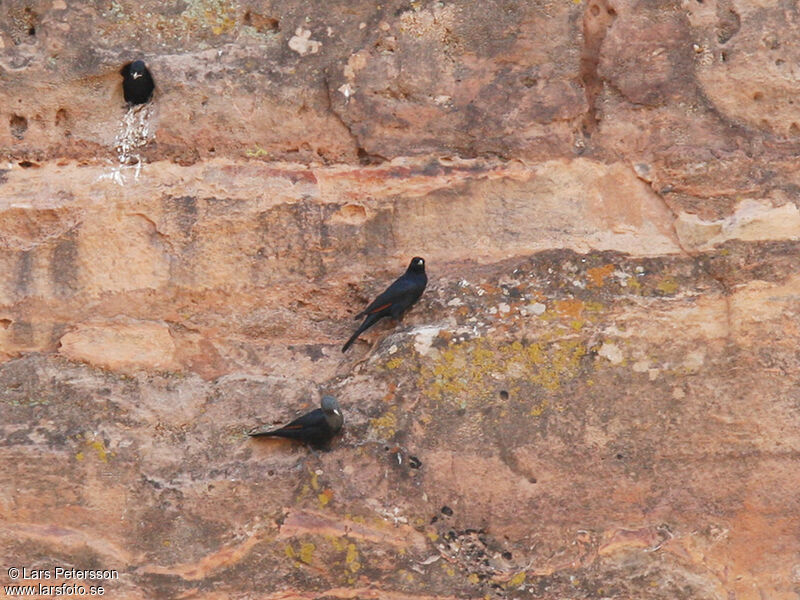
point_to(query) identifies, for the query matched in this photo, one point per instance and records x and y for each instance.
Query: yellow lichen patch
(597, 275)
(668, 285)
(289, 551)
(306, 553)
(255, 152)
(594, 307)
(217, 15)
(517, 580)
(325, 497)
(537, 410)
(385, 427)
(304, 491)
(467, 371)
(352, 558)
(336, 542)
(394, 363)
(473, 578)
(98, 447)
(571, 308)
(314, 481)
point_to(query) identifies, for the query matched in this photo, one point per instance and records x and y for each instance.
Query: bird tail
(352, 339)
(368, 322)
(256, 433)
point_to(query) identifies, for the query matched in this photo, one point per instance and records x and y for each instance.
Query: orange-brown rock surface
(600, 387)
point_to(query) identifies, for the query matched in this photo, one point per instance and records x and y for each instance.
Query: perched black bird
(137, 83)
(315, 428)
(398, 298)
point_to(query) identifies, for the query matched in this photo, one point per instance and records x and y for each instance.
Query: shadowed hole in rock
(758, 96)
(18, 125)
(794, 129)
(503, 395)
(5, 323)
(26, 164)
(366, 158)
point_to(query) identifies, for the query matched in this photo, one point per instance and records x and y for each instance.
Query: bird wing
(312, 419)
(396, 291)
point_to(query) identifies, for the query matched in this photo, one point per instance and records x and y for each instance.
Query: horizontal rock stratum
(597, 395)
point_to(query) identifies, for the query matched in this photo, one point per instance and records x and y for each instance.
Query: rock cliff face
(598, 396)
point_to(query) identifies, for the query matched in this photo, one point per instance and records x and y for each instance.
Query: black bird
(316, 428)
(137, 83)
(398, 298)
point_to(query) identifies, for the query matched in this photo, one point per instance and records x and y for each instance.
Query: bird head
(417, 265)
(330, 406)
(137, 69)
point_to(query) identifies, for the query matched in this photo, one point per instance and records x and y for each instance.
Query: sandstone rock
(599, 383)
(121, 345)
